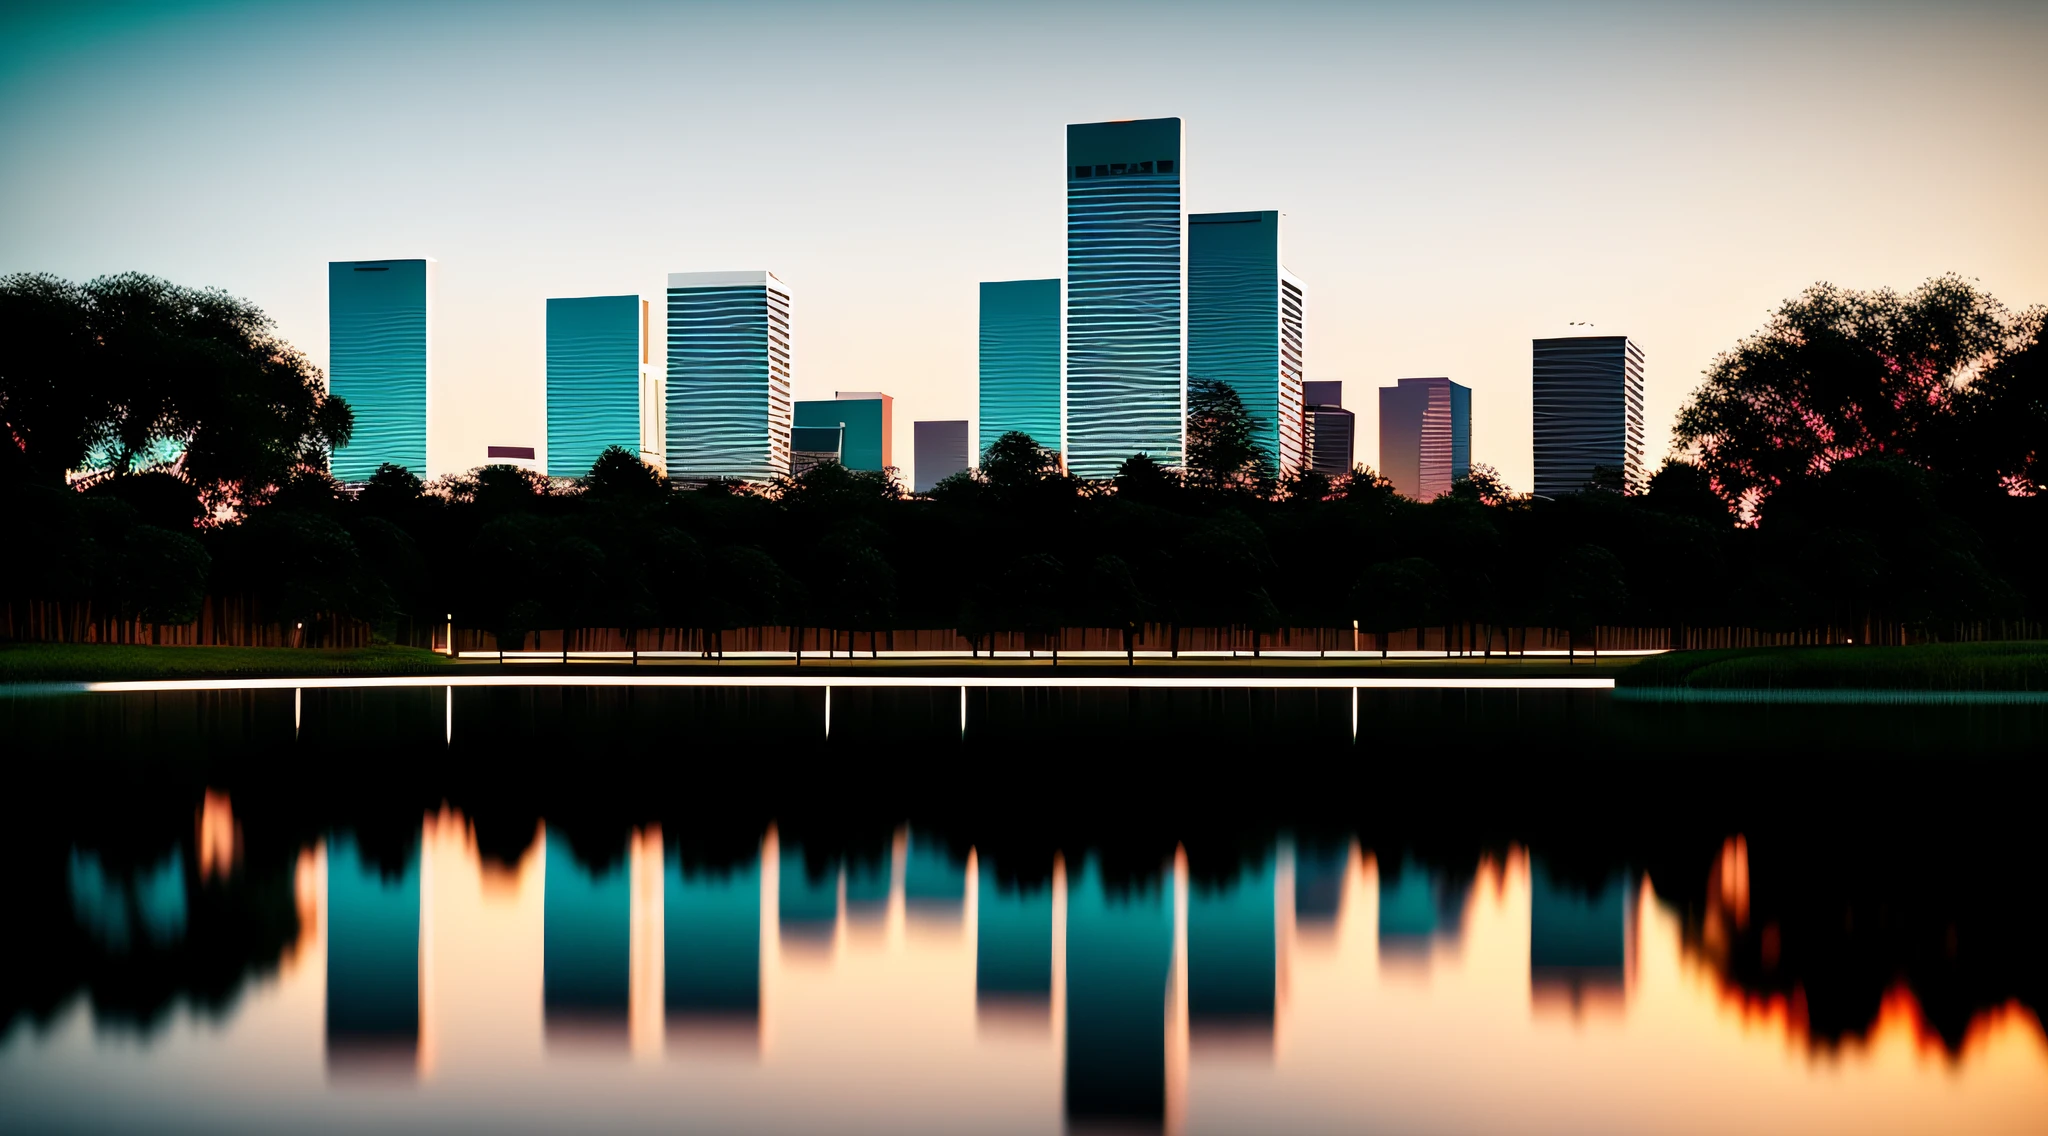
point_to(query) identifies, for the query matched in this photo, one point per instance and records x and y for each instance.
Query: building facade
(1589, 412)
(601, 389)
(1126, 295)
(1332, 430)
(379, 354)
(941, 452)
(728, 390)
(1425, 436)
(813, 446)
(869, 419)
(1245, 324)
(1020, 362)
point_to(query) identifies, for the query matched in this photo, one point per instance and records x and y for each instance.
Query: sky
(1457, 178)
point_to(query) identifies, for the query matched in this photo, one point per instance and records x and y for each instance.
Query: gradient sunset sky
(1457, 178)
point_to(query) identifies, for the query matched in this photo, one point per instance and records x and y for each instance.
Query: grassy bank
(99, 662)
(1929, 666)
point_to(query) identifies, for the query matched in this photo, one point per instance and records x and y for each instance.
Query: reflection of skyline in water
(1194, 996)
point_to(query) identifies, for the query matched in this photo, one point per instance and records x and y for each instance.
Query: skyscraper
(1589, 412)
(1020, 361)
(869, 418)
(601, 389)
(379, 330)
(1332, 430)
(1126, 295)
(1425, 436)
(728, 376)
(941, 451)
(1245, 324)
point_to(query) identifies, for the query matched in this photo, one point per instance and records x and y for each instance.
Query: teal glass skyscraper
(1245, 324)
(728, 376)
(598, 382)
(378, 354)
(1020, 361)
(1126, 291)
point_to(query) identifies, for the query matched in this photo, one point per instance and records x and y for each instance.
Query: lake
(1002, 907)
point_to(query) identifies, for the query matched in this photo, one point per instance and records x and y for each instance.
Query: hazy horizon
(1457, 180)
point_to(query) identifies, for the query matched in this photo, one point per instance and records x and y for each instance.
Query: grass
(1926, 666)
(102, 662)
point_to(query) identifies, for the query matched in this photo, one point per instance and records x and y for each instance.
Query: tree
(1223, 448)
(130, 372)
(1395, 595)
(1139, 478)
(163, 576)
(391, 491)
(1587, 587)
(749, 589)
(1484, 484)
(1033, 591)
(1838, 374)
(619, 475)
(1115, 600)
(2002, 416)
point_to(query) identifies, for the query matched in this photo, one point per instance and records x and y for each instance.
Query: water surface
(1031, 910)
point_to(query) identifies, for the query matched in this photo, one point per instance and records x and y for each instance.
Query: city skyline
(1442, 226)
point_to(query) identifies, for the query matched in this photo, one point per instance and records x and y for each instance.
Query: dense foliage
(1932, 519)
(1943, 377)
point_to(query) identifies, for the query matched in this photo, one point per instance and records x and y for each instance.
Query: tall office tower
(1332, 430)
(1244, 324)
(1425, 436)
(1126, 295)
(1589, 412)
(728, 376)
(941, 451)
(869, 418)
(379, 348)
(601, 390)
(1020, 361)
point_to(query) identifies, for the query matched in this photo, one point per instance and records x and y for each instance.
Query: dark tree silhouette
(127, 372)
(1838, 374)
(1223, 450)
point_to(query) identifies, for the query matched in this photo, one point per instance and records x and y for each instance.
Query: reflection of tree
(1835, 932)
(233, 929)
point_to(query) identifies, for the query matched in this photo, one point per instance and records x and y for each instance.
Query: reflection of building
(1425, 436)
(1020, 361)
(1014, 953)
(1126, 290)
(1119, 955)
(1578, 938)
(934, 878)
(1588, 412)
(941, 451)
(712, 954)
(588, 946)
(373, 961)
(869, 422)
(1418, 908)
(1332, 430)
(807, 903)
(379, 359)
(1319, 875)
(728, 389)
(1245, 324)
(813, 446)
(601, 390)
(1233, 955)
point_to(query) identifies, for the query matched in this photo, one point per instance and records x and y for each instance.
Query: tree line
(1864, 457)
